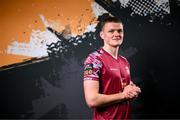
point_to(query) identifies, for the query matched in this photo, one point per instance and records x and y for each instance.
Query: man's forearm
(100, 100)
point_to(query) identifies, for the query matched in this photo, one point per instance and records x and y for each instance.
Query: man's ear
(101, 35)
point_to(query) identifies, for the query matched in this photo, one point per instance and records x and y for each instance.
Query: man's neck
(113, 51)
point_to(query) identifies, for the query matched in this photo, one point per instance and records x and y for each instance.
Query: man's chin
(117, 45)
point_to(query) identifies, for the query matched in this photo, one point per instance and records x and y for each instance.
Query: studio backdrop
(43, 44)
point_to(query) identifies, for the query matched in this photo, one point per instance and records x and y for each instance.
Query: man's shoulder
(94, 56)
(122, 58)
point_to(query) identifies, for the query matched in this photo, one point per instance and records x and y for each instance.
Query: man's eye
(119, 31)
(111, 31)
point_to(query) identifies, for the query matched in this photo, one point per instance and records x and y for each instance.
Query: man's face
(112, 33)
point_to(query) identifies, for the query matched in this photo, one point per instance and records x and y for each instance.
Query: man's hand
(131, 91)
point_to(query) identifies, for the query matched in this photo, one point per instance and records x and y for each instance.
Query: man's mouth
(117, 39)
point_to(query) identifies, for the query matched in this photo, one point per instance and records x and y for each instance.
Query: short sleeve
(92, 68)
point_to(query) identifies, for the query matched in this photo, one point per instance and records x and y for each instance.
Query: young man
(107, 84)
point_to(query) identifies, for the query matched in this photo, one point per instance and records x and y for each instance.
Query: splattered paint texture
(22, 28)
(28, 36)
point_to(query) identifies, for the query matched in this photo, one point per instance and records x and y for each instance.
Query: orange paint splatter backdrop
(19, 17)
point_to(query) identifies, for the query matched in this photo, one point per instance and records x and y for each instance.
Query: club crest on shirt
(88, 69)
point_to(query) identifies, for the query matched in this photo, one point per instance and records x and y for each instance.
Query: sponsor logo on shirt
(113, 69)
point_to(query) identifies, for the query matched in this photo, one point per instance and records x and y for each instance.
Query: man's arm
(95, 99)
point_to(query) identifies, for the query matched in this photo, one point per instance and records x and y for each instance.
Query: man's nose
(116, 33)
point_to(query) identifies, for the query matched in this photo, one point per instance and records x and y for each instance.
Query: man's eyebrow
(115, 29)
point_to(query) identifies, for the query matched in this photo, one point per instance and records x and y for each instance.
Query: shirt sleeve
(92, 68)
